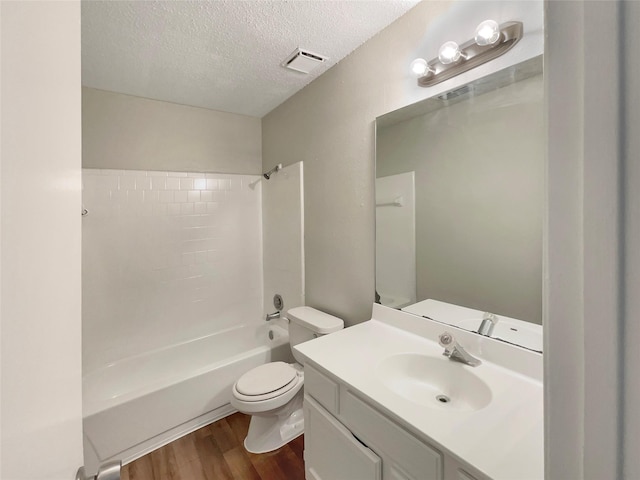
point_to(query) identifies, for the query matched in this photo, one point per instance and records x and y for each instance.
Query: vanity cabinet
(332, 451)
(348, 438)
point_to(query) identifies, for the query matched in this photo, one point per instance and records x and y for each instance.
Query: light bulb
(449, 53)
(487, 33)
(420, 68)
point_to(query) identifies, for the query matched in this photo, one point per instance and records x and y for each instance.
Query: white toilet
(272, 393)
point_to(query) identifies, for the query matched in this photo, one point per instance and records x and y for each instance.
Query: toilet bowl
(272, 393)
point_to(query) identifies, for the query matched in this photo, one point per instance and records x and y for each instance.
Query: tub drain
(443, 399)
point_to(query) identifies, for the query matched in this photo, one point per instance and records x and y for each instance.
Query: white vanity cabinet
(346, 438)
(331, 451)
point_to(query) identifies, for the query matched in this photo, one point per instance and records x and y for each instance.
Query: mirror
(459, 205)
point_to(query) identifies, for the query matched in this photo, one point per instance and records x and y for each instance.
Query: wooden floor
(215, 452)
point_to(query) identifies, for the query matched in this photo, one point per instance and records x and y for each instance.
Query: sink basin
(434, 382)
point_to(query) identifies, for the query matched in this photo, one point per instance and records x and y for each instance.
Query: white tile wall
(167, 257)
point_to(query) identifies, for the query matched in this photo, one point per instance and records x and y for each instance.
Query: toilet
(272, 393)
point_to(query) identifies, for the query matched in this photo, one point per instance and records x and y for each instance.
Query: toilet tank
(306, 323)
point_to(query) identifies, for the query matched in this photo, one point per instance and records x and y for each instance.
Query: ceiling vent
(303, 61)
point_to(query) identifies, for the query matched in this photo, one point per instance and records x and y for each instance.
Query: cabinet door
(331, 452)
(404, 457)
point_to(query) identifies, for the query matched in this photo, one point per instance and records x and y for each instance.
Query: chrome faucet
(454, 351)
(489, 321)
(272, 316)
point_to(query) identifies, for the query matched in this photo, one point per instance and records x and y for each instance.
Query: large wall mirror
(459, 205)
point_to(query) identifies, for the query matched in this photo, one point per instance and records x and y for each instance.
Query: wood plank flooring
(215, 452)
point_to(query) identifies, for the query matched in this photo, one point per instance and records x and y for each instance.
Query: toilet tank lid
(315, 320)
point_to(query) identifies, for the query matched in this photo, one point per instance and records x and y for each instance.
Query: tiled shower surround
(167, 257)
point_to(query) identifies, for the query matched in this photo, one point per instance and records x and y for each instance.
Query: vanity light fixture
(490, 41)
(487, 33)
(420, 67)
(449, 53)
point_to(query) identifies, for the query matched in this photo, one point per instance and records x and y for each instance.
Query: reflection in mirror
(459, 204)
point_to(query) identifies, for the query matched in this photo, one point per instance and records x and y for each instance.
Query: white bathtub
(140, 403)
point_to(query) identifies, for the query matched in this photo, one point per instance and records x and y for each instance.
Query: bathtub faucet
(271, 316)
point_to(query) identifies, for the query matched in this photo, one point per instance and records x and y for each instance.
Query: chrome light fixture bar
(489, 43)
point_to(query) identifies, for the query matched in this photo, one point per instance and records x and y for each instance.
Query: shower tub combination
(179, 255)
(140, 403)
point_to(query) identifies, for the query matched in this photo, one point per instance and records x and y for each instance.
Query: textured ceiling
(223, 55)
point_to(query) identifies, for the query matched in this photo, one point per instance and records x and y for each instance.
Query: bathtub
(140, 403)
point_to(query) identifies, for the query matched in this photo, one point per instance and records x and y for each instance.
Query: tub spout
(271, 316)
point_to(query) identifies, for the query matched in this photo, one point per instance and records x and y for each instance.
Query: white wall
(330, 126)
(41, 434)
(283, 237)
(125, 132)
(167, 257)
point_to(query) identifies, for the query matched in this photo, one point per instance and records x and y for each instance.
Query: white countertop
(503, 440)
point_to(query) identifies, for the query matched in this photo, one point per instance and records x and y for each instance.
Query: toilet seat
(267, 381)
(270, 392)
